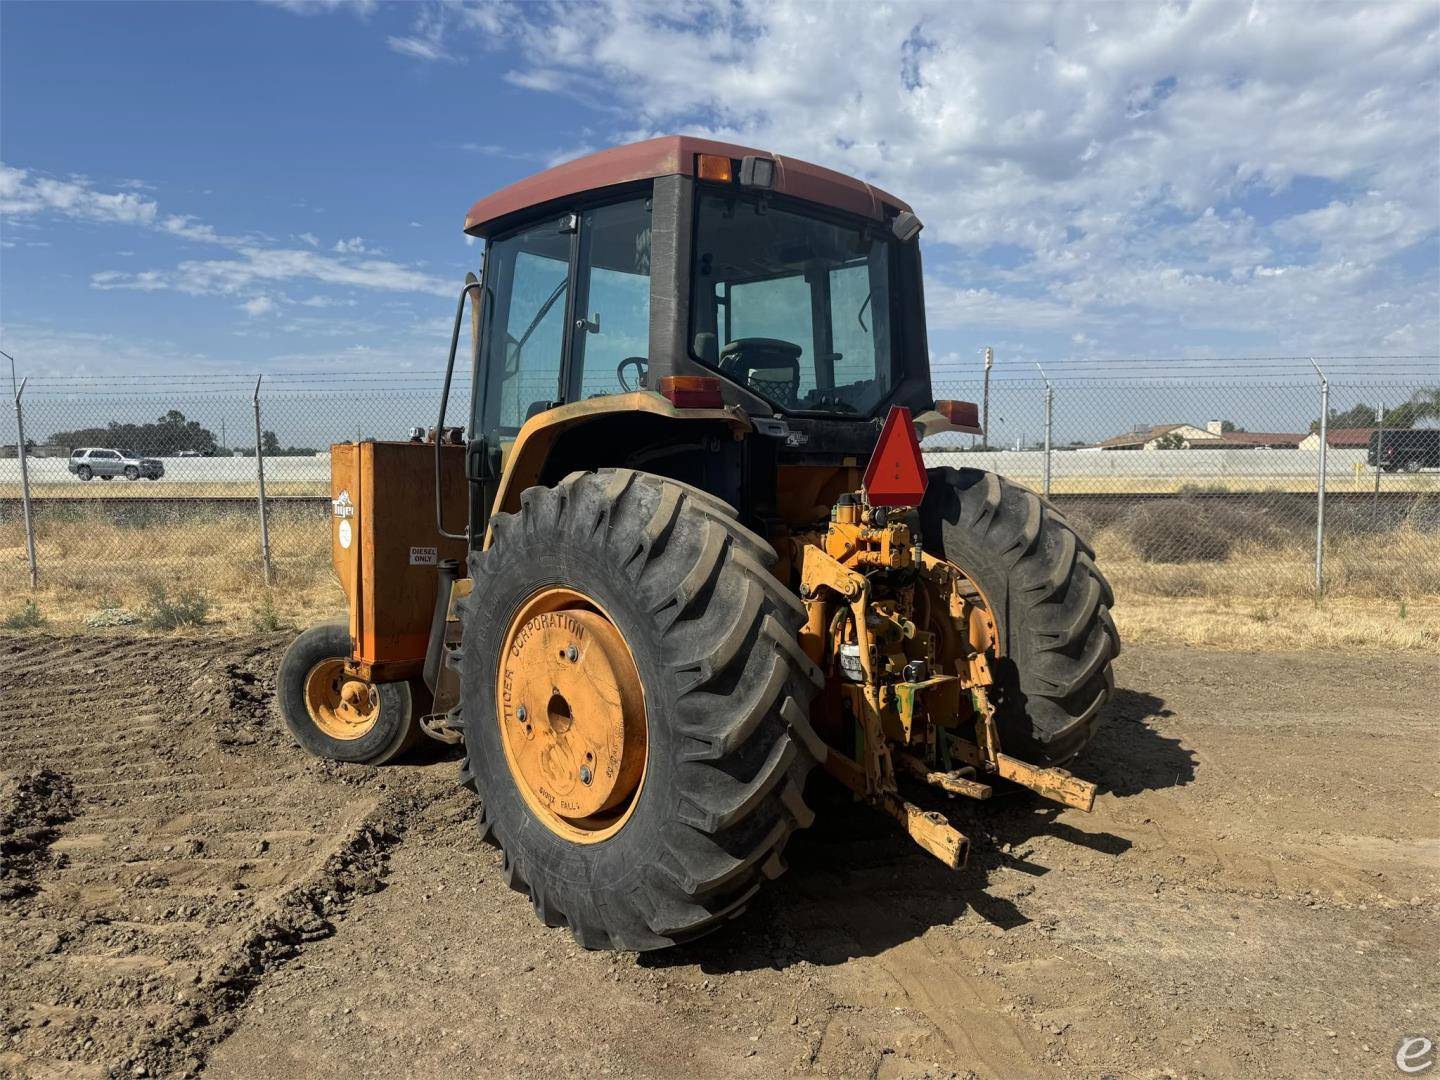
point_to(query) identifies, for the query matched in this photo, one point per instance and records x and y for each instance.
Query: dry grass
(1300, 484)
(88, 565)
(1383, 588)
(1266, 626)
(166, 489)
(1096, 484)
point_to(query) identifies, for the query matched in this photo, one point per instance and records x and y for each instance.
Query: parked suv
(1407, 449)
(107, 464)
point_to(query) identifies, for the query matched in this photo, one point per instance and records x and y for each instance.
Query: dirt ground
(181, 891)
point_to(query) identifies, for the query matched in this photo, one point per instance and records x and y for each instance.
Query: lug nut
(572, 653)
(585, 774)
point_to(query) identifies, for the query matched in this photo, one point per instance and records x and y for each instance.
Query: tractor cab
(707, 276)
(689, 550)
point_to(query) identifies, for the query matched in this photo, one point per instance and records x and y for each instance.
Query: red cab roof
(668, 156)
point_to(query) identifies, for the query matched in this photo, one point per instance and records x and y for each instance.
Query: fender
(525, 459)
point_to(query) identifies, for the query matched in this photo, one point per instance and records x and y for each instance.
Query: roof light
(906, 226)
(714, 167)
(692, 391)
(757, 172)
(896, 473)
(963, 414)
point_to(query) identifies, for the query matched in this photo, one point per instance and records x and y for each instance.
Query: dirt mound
(167, 845)
(31, 808)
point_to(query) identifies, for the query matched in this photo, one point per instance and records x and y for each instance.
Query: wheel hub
(572, 715)
(342, 707)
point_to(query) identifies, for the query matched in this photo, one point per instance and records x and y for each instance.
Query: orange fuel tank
(385, 547)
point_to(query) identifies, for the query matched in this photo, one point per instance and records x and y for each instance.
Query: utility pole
(985, 407)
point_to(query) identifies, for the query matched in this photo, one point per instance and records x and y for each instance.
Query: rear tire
(84, 472)
(395, 728)
(727, 690)
(1051, 607)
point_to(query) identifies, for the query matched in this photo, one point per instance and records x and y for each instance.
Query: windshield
(794, 307)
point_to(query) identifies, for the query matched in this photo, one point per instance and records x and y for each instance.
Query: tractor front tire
(1050, 603)
(334, 717)
(621, 578)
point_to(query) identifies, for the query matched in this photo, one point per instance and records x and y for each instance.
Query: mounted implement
(686, 548)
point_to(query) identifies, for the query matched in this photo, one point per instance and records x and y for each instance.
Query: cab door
(566, 316)
(528, 278)
(526, 306)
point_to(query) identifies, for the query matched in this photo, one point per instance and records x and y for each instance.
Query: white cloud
(256, 265)
(363, 8)
(46, 350)
(418, 48)
(1369, 227)
(25, 195)
(1137, 156)
(431, 21)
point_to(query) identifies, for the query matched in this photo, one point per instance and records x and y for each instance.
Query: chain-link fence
(141, 488)
(1213, 487)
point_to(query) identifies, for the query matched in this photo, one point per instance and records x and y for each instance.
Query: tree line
(1422, 406)
(171, 434)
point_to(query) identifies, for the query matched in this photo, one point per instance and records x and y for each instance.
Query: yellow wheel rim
(572, 715)
(342, 707)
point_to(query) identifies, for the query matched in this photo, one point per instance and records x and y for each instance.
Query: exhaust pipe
(448, 573)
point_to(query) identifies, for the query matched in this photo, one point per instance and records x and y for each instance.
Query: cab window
(612, 309)
(793, 303)
(525, 330)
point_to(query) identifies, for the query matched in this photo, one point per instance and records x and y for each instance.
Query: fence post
(985, 399)
(1379, 457)
(260, 481)
(1049, 403)
(1320, 481)
(25, 486)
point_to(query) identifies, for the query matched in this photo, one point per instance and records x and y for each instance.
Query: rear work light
(714, 167)
(692, 391)
(959, 413)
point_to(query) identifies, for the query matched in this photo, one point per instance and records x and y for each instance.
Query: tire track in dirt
(185, 849)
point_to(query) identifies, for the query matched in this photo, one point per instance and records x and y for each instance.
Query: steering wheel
(641, 364)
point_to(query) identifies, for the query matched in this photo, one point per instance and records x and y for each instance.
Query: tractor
(684, 548)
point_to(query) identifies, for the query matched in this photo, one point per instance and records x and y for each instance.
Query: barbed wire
(1250, 364)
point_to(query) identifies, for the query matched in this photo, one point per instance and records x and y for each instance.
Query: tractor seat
(768, 366)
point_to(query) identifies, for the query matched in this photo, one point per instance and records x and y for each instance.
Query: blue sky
(281, 187)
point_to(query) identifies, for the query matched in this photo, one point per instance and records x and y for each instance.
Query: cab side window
(612, 309)
(525, 332)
